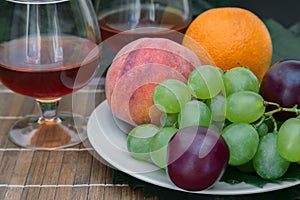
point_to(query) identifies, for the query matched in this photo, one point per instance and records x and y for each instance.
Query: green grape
(244, 106)
(242, 140)
(288, 140)
(217, 107)
(170, 95)
(240, 79)
(205, 82)
(217, 126)
(262, 129)
(267, 162)
(159, 145)
(169, 119)
(138, 141)
(194, 113)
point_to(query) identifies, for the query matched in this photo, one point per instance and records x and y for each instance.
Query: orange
(233, 37)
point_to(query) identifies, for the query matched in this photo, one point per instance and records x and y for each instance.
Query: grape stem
(262, 119)
(275, 129)
(265, 118)
(280, 109)
(269, 114)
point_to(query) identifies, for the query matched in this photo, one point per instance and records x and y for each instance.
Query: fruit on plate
(238, 104)
(240, 79)
(138, 141)
(267, 162)
(208, 133)
(242, 140)
(171, 95)
(217, 106)
(194, 113)
(232, 37)
(197, 158)
(281, 85)
(288, 140)
(159, 146)
(137, 69)
(206, 82)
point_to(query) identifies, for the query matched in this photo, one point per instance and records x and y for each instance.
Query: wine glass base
(70, 130)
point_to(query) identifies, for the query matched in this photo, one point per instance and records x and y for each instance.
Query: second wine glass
(133, 19)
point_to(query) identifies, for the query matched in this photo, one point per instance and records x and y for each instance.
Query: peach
(137, 69)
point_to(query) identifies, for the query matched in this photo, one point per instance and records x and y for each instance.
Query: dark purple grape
(281, 85)
(197, 158)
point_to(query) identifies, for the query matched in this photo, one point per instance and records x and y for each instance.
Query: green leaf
(150, 190)
(295, 30)
(232, 175)
(285, 44)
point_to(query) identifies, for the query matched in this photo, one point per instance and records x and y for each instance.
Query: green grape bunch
(238, 107)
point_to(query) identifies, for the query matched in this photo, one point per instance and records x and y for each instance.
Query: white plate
(110, 143)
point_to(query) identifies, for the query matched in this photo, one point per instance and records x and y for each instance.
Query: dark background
(286, 12)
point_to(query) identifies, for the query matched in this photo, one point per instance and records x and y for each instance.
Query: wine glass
(133, 19)
(51, 50)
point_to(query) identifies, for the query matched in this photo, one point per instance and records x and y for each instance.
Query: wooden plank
(7, 166)
(63, 193)
(13, 193)
(21, 168)
(112, 193)
(1, 155)
(83, 168)
(9, 144)
(79, 193)
(5, 125)
(37, 169)
(127, 193)
(139, 195)
(30, 193)
(109, 175)
(98, 172)
(47, 193)
(96, 193)
(54, 163)
(68, 168)
(3, 192)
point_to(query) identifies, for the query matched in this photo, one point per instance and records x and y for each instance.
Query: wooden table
(71, 173)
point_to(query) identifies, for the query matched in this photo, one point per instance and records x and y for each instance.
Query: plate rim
(141, 176)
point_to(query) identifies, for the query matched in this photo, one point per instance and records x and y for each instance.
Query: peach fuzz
(137, 69)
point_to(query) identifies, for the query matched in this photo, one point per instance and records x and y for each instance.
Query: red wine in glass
(119, 26)
(170, 19)
(48, 79)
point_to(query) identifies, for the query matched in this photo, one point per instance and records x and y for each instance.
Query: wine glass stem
(49, 110)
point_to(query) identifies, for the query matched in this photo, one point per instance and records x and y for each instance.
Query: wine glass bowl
(52, 50)
(133, 19)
